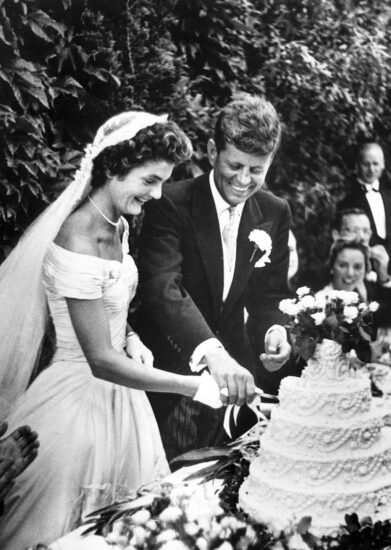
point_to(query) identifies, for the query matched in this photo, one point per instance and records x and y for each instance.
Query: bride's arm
(92, 329)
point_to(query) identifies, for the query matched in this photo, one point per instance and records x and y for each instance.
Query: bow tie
(368, 187)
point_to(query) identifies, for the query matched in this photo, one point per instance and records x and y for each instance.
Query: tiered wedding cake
(325, 452)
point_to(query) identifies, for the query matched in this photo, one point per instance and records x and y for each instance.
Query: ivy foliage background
(66, 65)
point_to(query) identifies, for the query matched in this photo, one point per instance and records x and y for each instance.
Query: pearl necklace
(114, 224)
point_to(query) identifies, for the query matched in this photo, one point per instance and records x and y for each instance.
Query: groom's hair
(251, 124)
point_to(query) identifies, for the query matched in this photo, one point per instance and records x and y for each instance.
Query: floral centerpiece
(339, 316)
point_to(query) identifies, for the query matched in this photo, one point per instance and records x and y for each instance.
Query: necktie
(229, 235)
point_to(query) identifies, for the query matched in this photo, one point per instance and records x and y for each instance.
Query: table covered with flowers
(196, 508)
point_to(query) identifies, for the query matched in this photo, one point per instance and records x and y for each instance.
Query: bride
(99, 438)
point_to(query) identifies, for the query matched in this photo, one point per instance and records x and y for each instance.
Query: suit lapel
(252, 218)
(386, 196)
(363, 203)
(207, 233)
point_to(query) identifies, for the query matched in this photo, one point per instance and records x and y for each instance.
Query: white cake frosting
(325, 452)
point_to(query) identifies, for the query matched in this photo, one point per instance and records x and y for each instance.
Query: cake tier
(328, 472)
(268, 503)
(342, 400)
(321, 436)
(328, 365)
(328, 371)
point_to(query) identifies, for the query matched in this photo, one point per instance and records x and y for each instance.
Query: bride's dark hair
(163, 141)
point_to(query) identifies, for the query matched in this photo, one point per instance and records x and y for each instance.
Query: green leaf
(44, 20)
(4, 77)
(37, 93)
(3, 38)
(200, 455)
(20, 64)
(115, 79)
(39, 32)
(364, 334)
(101, 75)
(307, 347)
(304, 525)
(28, 78)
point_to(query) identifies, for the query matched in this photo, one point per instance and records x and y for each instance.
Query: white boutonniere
(262, 241)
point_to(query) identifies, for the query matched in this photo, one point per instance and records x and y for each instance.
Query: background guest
(348, 263)
(371, 193)
(17, 451)
(354, 223)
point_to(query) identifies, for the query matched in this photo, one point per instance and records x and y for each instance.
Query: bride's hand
(136, 350)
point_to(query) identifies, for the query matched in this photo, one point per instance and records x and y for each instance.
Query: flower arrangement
(196, 518)
(192, 518)
(263, 242)
(338, 315)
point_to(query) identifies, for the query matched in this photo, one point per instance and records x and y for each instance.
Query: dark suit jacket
(181, 274)
(356, 198)
(382, 295)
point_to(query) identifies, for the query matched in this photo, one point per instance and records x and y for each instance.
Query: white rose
(225, 546)
(320, 301)
(302, 291)
(151, 525)
(139, 536)
(166, 535)
(201, 543)
(171, 514)
(307, 302)
(289, 307)
(141, 517)
(348, 297)
(350, 312)
(318, 317)
(373, 306)
(191, 528)
(297, 543)
(174, 545)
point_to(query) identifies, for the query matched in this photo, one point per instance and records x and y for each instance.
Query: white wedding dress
(99, 441)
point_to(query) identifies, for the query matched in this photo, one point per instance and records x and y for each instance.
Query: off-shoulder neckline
(124, 252)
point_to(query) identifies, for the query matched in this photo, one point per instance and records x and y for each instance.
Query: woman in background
(348, 263)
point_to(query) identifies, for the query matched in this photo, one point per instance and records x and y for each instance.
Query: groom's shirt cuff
(196, 363)
(277, 328)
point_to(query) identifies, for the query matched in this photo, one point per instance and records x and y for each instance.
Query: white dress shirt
(222, 209)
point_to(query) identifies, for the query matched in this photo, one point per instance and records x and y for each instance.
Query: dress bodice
(68, 274)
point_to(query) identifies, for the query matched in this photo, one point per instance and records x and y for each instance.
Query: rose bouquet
(338, 315)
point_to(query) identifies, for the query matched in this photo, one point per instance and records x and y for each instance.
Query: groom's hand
(277, 349)
(230, 376)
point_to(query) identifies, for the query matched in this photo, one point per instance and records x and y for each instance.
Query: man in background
(369, 191)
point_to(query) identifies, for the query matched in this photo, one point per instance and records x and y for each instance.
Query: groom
(199, 268)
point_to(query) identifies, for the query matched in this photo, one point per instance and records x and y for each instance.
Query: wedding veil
(23, 307)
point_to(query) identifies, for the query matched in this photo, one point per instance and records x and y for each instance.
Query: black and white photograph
(195, 275)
